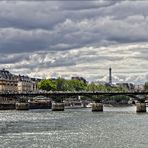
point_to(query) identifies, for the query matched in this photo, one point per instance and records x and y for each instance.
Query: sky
(68, 38)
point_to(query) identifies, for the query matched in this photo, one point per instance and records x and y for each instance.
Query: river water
(116, 127)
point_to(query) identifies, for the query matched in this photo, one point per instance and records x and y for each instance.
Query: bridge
(64, 94)
(58, 97)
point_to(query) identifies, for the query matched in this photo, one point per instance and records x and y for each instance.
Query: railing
(76, 92)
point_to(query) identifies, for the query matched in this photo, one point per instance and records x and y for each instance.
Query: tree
(96, 87)
(74, 85)
(60, 84)
(47, 85)
(146, 86)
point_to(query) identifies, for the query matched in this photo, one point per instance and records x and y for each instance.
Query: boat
(73, 105)
(89, 105)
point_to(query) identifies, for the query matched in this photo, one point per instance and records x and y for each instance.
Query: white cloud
(64, 38)
(89, 62)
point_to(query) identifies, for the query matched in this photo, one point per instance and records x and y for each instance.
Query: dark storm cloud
(44, 14)
(73, 36)
(63, 25)
(29, 15)
(8, 59)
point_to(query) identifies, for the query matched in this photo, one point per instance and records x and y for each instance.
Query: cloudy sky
(75, 38)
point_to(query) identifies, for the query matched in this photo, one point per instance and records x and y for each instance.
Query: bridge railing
(75, 92)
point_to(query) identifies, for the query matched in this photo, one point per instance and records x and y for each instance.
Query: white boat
(89, 105)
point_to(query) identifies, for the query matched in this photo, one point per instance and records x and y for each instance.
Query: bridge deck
(68, 93)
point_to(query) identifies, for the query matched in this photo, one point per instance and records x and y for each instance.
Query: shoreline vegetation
(61, 84)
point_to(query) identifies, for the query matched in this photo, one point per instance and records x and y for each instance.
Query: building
(13, 83)
(139, 87)
(26, 84)
(100, 83)
(126, 86)
(8, 81)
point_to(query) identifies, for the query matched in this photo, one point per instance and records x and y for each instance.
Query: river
(116, 127)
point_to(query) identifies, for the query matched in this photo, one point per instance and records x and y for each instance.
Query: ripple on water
(113, 128)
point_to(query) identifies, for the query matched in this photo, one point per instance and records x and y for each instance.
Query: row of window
(8, 84)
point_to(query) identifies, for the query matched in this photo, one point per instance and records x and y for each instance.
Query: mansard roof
(4, 74)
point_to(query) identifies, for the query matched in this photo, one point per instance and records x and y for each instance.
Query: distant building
(139, 87)
(36, 79)
(100, 82)
(8, 81)
(26, 84)
(80, 79)
(13, 83)
(127, 86)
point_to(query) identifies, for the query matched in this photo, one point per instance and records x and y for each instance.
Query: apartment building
(8, 81)
(13, 83)
(26, 84)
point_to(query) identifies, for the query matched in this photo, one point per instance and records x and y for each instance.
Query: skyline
(67, 38)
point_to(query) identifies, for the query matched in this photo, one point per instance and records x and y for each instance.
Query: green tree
(146, 86)
(60, 84)
(47, 85)
(75, 85)
(91, 87)
(96, 87)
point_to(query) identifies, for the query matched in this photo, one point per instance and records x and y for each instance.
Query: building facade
(13, 83)
(8, 81)
(126, 86)
(26, 84)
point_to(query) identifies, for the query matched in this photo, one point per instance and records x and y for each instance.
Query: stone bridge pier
(141, 106)
(97, 106)
(57, 103)
(57, 106)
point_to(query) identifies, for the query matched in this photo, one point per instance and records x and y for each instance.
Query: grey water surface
(116, 127)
